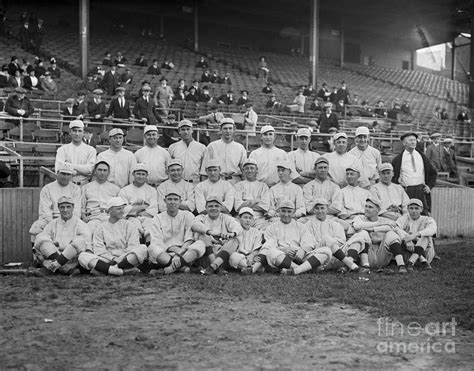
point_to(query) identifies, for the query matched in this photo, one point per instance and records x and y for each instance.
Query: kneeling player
(115, 247)
(289, 245)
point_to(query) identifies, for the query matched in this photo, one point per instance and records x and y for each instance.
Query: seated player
(289, 245)
(116, 248)
(285, 189)
(172, 244)
(376, 239)
(60, 243)
(252, 193)
(393, 198)
(220, 233)
(215, 186)
(141, 199)
(330, 233)
(417, 232)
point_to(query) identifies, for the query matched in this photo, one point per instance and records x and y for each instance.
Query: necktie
(121, 102)
(413, 165)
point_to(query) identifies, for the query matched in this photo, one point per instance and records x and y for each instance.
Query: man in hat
(369, 156)
(116, 247)
(327, 119)
(220, 233)
(176, 184)
(68, 111)
(451, 162)
(214, 185)
(230, 154)
(142, 199)
(189, 151)
(31, 82)
(49, 85)
(126, 78)
(57, 247)
(393, 198)
(322, 187)
(154, 156)
(214, 117)
(154, 69)
(414, 172)
(119, 107)
(436, 153)
(250, 120)
(324, 93)
(252, 193)
(19, 105)
(79, 109)
(267, 157)
(51, 193)
(121, 160)
(300, 101)
(89, 84)
(96, 194)
(143, 109)
(141, 61)
(111, 80)
(78, 154)
(289, 245)
(285, 189)
(272, 103)
(267, 89)
(417, 232)
(172, 243)
(244, 98)
(54, 70)
(303, 158)
(13, 66)
(96, 108)
(376, 239)
(163, 97)
(227, 98)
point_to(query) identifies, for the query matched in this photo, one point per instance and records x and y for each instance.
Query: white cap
(140, 167)
(76, 124)
(266, 128)
(66, 168)
(115, 201)
(247, 210)
(362, 130)
(339, 135)
(303, 132)
(149, 128)
(115, 131)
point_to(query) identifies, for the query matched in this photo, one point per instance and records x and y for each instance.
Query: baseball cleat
(287, 272)
(156, 272)
(410, 267)
(207, 272)
(246, 271)
(364, 270)
(343, 270)
(402, 270)
(426, 266)
(42, 272)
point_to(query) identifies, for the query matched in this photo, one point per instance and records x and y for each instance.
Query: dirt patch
(137, 323)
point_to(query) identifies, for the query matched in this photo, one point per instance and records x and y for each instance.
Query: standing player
(303, 158)
(176, 184)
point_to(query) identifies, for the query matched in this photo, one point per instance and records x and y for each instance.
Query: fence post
(21, 172)
(21, 129)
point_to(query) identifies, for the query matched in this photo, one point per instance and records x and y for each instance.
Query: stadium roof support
(314, 43)
(84, 13)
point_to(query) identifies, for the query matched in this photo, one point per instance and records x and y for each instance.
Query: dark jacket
(327, 122)
(96, 109)
(430, 172)
(118, 112)
(13, 104)
(144, 109)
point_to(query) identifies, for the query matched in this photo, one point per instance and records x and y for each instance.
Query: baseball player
(289, 245)
(220, 233)
(417, 232)
(59, 244)
(116, 249)
(177, 184)
(303, 158)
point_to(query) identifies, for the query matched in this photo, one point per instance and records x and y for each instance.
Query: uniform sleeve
(131, 164)
(338, 232)
(86, 169)
(132, 236)
(156, 233)
(188, 222)
(359, 224)
(60, 159)
(271, 237)
(45, 209)
(256, 243)
(307, 242)
(160, 192)
(337, 201)
(232, 225)
(190, 199)
(308, 196)
(82, 239)
(405, 200)
(238, 196)
(198, 225)
(199, 198)
(152, 198)
(46, 235)
(300, 205)
(98, 243)
(264, 202)
(430, 228)
(77, 197)
(208, 155)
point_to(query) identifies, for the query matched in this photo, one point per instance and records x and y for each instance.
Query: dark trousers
(417, 192)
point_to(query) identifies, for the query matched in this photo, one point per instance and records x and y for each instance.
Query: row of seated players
(352, 205)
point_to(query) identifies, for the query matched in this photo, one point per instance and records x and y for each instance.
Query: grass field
(267, 321)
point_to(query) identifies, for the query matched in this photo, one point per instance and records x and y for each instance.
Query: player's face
(117, 212)
(102, 172)
(64, 178)
(352, 177)
(286, 215)
(386, 176)
(322, 170)
(139, 177)
(175, 172)
(116, 141)
(341, 145)
(66, 210)
(151, 138)
(414, 211)
(371, 210)
(213, 173)
(250, 172)
(213, 209)
(410, 142)
(172, 202)
(283, 174)
(362, 141)
(77, 134)
(321, 211)
(268, 138)
(246, 221)
(186, 132)
(303, 142)
(227, 131)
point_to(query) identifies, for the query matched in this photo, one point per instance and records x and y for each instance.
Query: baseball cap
(213, 163)
(266, 128)
(415, 201)
(149, 128)
(227, 120)
(185, 123)
(321, 159)
(249, 161)
(362, 130)
(140, 167)
(353, 167)
(435, 135)
(76, 124)
(407, 134)
(66, 168)
(65, 200)
(247, 210)
(303, 132)
(115, 131)
(371, 198)
(115, 201)
(339, 135)
(385, 166)
(20, 90)
(286, 204)
(284, 164)
(98, 92)
(172, 192)
(215, 198)
(321, 201)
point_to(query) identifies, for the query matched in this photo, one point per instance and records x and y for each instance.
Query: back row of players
(149, 210)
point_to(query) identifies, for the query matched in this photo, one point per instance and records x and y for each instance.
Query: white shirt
(143, 195)
(371, 159)
(231, 156)
(121, 164)
(51, 193)
(303, 160)
(267, 160)
(167, 231)
(156, 159)
(183, 188)
(81, 157)
(95, 196)
(64, 233)
(338, 165)
(221, 188)
(289, 191)
(408, 175)
(255, 190)
(191, 156)
(353, 200)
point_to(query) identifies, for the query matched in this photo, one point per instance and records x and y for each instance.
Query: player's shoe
(42, 272)
(287, 272)
(131, 272)
(74, 272)
(342, 270)
(410, 267)
(246, 271)
(363, 270)
(402, 269)
(221, 272)
(207, 271)
(426, 266)
(156, 272)
(51, 265)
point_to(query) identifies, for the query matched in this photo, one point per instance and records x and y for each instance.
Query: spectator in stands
(163, 97)
(300, 101)
(4, 77)
(244, 98)
(16, 81)
(215, 78)
(324, 93)
(303, 158)
(25, 38)
(437, 114)
(308, 91)
(406, 107)
(167, 65)
(39, 68)
(327, 119)
(451, 162)
(463, 116)
(68, 111)
(181, 85)
(365, 110)
(37, 35)
(90, 137)
(206, 77)
(119, 107)
(355, 100)
(141, 61)
(196, 86)
(214, 117)
(80, 106)
(120, 60)
(111, 81)
(341, 108)
(380, 110)
(19, 105)
(202, 63)
(31, 82)
(267, 89)
(206, 96)
(316, 105)
(144, 83)
(414, 171)
(192, 96)
(179, 94)
(170, 134)
(263, 69)
(54, 70)
(107, 61)
(272, 103)
(369, 156)
(444, 115)
(154, 69)
(436, 153)
(96, 108)
(49, 85)
(13, 66)
(144, 107)
(126, 77)
(89, 84)
(333, 95)
(343, 93)
(226, 80)
(227, 99)
(250, 120)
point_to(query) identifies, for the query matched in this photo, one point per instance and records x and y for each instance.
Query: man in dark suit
(141, 61)
(111, 81)
(327, 119)
(79, 109)
(143, 109)
(413, 171)
(19, 105)
(96, 107)
(226, 98)
(13, 66)
(119, 107)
